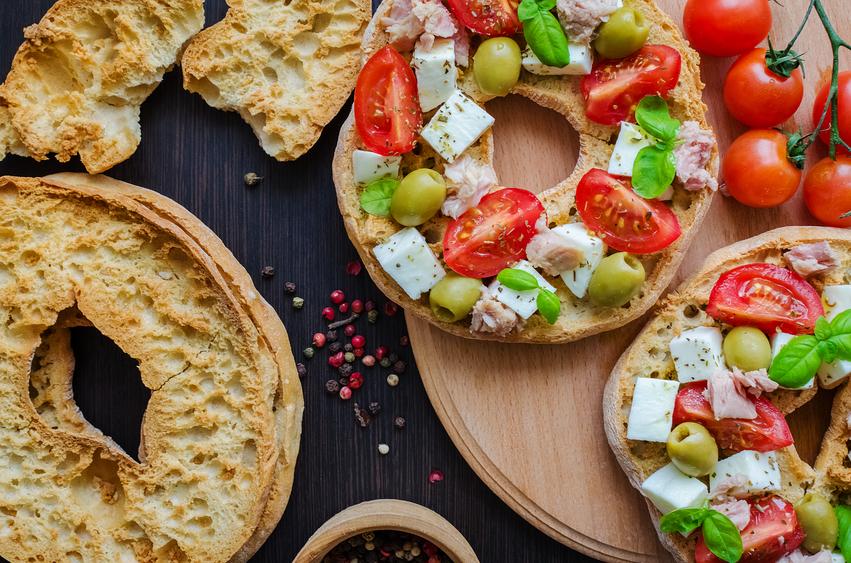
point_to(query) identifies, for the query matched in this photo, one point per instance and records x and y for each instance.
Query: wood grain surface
(528, 418)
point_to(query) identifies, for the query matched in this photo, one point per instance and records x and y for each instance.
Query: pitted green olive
(453, 297)
(624, 33)
(418, 197)
(692, 449)
(817, 518)
(496, 65)
(747, 348)
(616, 280)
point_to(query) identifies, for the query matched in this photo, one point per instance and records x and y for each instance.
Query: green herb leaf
(543, 32)
(653, 172)
(841, 334)
(841, 324)
(375, 198)
(518, 280)
(683, 521)
(797, 362)
(549, 305)
(823, 329)
(653, 116)
(843, 541)
(828, 349)
(722, 537)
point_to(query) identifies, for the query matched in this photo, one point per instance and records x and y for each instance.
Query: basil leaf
(843, 346)
(797, 362)
(683, 521)
(824, 330)
(653, 116)
(653, 172)
(843, 541)
(518, 280)
(549, 305)
(842, 323)
(375, 198)
(722, 537)
(828, 350)
(543, 32)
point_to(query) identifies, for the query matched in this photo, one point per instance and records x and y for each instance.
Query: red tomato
(827, 191)
(723, 28)
(766, 433)
(487, 17)
(493, 235)
(766, 296)
(622, 218)
(759, 98)
(615, 87)
(844, 101)
(773, 532)
(387, 108)
(756, 169)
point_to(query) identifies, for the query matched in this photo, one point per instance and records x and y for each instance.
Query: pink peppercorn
(336, 360)
(390, 308)
(358, 341)
(345, 393)
(328, 313)
(368, 361)
(349, 330)
(337, 297)
(359, 352)
(435, 476)
(343, 308)
(357, 306)
(319, 340)
(369, 305)
(354, 267)
(381, 352)
(356, 380)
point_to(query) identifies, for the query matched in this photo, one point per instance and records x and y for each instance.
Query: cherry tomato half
(756, 169)
(622, 218)
(827, 191)
(487, 17)
(758, 97)
(844, 101)
(765, 296)
(615, 87)
(773, 531)
(493, 235)
(723, 28)
(387, 108)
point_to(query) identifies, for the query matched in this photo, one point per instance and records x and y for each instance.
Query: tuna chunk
(469, 181)
(811, 259)
(739, 511)
(492, 317)
(799, 556)
(423, 20)
(693, 155)
(580, 18)
(553, 253)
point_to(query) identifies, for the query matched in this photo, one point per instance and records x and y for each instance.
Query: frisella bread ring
(220, 433)
(414, 238)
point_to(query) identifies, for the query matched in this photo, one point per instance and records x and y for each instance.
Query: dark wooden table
(198, 156)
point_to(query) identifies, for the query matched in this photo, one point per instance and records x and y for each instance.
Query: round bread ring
(648, 356)
(578, 318)
(123, 527)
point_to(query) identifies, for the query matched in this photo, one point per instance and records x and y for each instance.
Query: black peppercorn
(289, 287)
(301, 369)
(374, 408)
(399, 422)
(332, 386)
(267, 272)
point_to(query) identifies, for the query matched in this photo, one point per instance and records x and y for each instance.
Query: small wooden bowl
(387, 514)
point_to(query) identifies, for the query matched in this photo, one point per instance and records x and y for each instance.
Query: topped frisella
(422, 201)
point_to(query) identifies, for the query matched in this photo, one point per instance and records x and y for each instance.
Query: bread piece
(286, 67)
(578, 318)
(649, 356)
(78, 80)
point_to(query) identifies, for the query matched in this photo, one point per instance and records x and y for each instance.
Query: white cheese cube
(760, 473)
(436, 73)
(407, 258)
(652, 410)
(831, 375)
(670, 489)
(698, 353)
(836, 299)
(457, 124)
(524, 303)
(837, 558)
(368, 166)
(778, 341)
(581, 61)
(594, 249)
(631, 140)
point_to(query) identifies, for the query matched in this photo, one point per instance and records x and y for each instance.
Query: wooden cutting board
(528, 418)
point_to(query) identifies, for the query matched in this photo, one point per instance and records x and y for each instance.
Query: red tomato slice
(766, 296)
(622, 218)
(487, 17)
(493, 235)
(615, 87)
(773, 532)
(387, 108)
(766, 433)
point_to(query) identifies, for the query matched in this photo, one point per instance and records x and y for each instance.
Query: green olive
(624, 33)
(616, 280)
(747, 348)
(418, 197)
(496, 65)
(819, 522)
(692, 449)
(453, 297)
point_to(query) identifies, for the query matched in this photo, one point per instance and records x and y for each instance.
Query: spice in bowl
(386, 546)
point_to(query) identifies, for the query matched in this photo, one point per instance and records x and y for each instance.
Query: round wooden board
(528, 418)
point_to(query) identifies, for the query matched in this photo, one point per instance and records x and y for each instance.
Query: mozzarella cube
(836, 298)
(831, 375)
(524, 303)
(837, 558)
(436, 72)
(407, 258)
(631, 140)
(652, 410)
(581, 61)
(698, 353)
(778, 341)
(368, 166)
(594, 249)
(670, 489)
(760, 473)
(457, 124)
